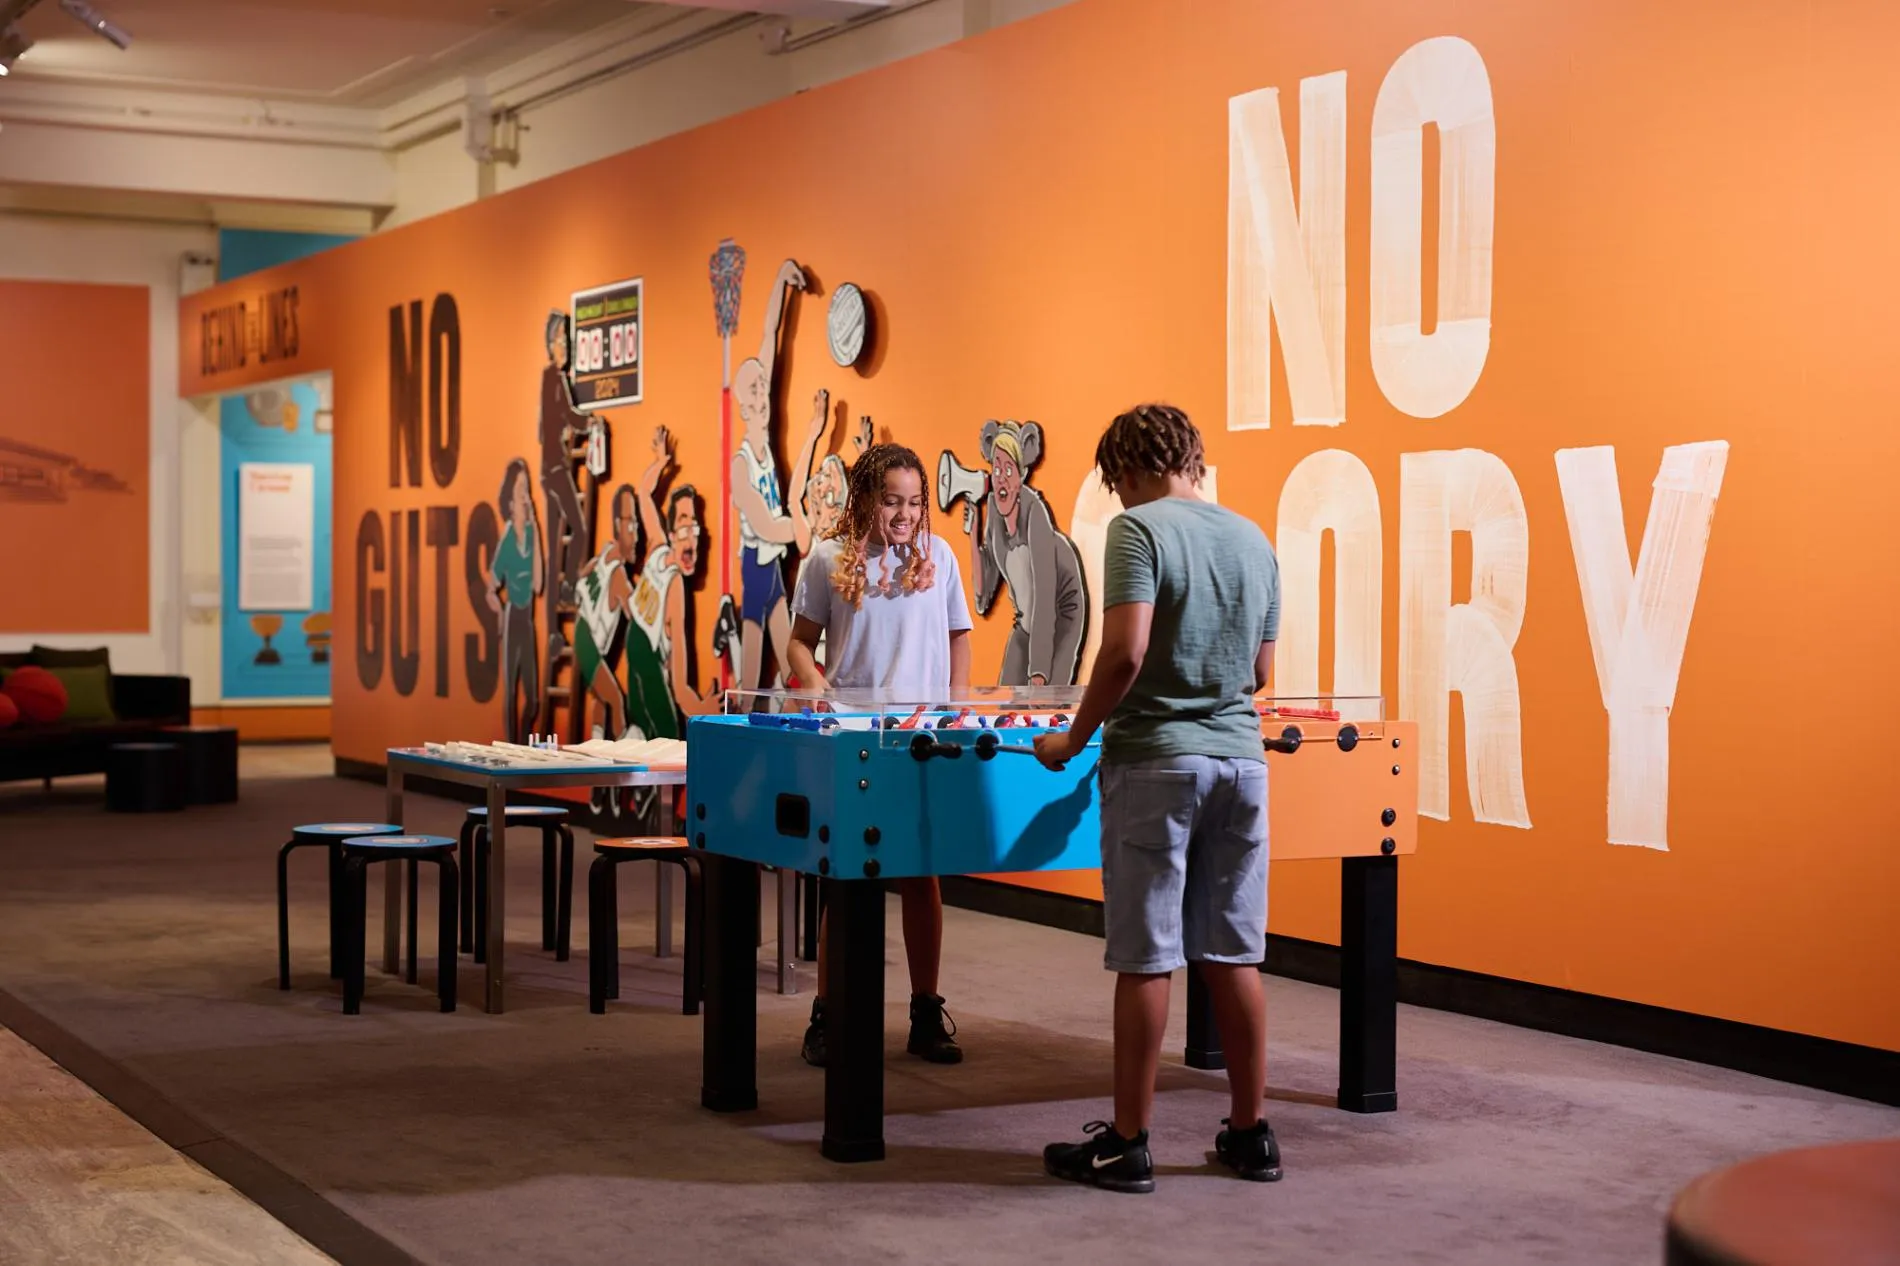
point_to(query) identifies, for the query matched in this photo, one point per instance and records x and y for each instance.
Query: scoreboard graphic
(606, 368)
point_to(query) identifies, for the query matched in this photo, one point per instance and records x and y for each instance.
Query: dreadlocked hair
(855, 526)
(1151, 439)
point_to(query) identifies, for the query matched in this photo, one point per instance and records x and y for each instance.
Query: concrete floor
(550, 1135)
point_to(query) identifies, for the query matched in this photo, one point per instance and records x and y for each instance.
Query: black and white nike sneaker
(1253, 1153)
(1105, 1159)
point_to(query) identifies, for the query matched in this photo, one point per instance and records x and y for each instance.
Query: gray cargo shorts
(1184, 862)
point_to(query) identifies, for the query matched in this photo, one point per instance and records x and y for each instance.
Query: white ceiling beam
(28, 100)
(211, 168)
(823, 10)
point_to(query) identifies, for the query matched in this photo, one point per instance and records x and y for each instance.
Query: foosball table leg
(854, 1020)
(1203, 1035)
(809, 909)
(1368, 984)
(729, 1074)
(787, 931)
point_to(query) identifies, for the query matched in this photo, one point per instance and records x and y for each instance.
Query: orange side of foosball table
(1323, 802)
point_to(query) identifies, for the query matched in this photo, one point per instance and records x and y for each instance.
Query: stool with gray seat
(557, 882)
(359, 853)
(330, 836)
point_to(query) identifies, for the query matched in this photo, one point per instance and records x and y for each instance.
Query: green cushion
(88, 693)
(52, 657)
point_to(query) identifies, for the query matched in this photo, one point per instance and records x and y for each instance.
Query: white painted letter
(1440, 81)
(1331, 489)
(1639, 626)
(1095, 507)
(1287, 262)
(1464, 647)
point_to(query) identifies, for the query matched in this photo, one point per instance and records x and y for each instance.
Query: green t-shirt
(1215, 587)
(513, 568)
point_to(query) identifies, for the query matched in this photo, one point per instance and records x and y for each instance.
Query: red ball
(38, 694)
(9, 711)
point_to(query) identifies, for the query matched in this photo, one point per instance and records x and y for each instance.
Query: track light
(12, 44)
(99, 24)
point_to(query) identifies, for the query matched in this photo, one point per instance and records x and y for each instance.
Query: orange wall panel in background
(75, 451)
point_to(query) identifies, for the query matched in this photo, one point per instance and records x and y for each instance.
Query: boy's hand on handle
(1057, 750)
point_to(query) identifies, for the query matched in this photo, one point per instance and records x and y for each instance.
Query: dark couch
(143, 705)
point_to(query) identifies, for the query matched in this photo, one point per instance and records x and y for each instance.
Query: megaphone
(955, 481)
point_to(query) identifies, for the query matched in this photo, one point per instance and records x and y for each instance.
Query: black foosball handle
(923, 747)
(1286, 744)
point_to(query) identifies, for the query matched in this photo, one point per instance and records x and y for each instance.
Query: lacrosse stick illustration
(727, 271)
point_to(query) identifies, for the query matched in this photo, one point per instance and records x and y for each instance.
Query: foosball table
(860, 790)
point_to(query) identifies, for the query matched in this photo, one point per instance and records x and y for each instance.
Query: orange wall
(1693, 242)
(270, 724)
(75, 375)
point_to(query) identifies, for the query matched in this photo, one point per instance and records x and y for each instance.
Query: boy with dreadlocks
(1191, 607)
(886, 596)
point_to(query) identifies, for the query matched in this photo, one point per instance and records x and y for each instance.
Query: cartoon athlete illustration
(560, 421)
(600, 603)
(516, 573)
(822, 503)
(659, 686)
(766, 530)
(1020, 547)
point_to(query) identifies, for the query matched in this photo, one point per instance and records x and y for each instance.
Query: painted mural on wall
(766, 528)
(517, 575)
(1014, 545)
(29, 473)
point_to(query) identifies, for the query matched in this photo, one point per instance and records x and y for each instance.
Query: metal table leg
(730, 1060)
(854, 1021)
(663, 914)
(1203, 1034)
(392, 877)
(1368, 984)
(787, 931)
(497, 895)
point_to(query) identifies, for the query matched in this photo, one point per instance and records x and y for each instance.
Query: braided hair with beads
(856, 524)
(1151, 439)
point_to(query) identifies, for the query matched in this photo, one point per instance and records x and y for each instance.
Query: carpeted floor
(550, 1135)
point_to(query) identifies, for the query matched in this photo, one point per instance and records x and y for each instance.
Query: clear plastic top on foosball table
(1345, 719)
(897, 715)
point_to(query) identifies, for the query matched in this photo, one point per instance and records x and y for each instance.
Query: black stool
(359, 852)
(211, 761)
(145, 778)
(603, 917)
(329, 835)
(557, 893)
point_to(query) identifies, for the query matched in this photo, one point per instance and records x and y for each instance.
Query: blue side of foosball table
(871, 810)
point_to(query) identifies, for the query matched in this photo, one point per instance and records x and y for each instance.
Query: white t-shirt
(894, 642)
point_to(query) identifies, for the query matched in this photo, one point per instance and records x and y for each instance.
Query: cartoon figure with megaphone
(1020, 547)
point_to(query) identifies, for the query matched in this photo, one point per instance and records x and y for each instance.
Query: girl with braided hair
(885, 594)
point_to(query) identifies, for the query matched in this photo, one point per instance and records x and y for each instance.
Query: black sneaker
(932, 1031)
(814, 1047)
(1253, 1153)
(1105, 1159)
